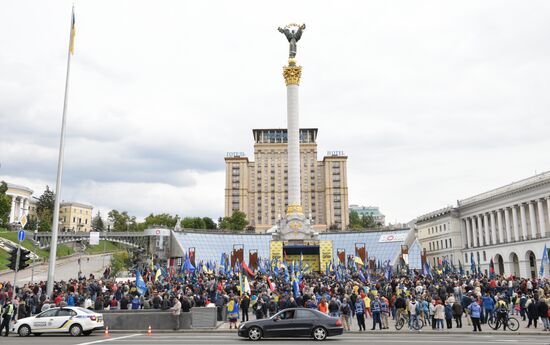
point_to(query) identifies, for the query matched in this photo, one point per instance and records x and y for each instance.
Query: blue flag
(472, 263)
(543, 261)
(362, 276)
(287, 277)
(140, 284)
(187, 266)
(295, 286)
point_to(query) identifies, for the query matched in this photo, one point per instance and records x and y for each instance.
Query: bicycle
(510, 322)
(404, 319)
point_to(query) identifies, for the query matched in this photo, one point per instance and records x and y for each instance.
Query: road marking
(110, 339)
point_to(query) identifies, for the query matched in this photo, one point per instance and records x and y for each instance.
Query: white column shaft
(20, 208)
(523, 221)
(474, 231)
(486, 229)
(479, 230)
(493, 229)
(515, 222)
(533, 220)
(499, 224)
(12, 211)
(542, 223)
(294, 196)
(467, 226)
(508, 227)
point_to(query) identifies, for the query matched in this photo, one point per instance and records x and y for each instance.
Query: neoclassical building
(20, 201)
(510, 224)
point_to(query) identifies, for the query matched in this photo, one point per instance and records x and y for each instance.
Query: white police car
(73, 320)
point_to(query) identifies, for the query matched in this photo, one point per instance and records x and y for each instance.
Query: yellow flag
(71, 44)
(358, 260)
(157, 275)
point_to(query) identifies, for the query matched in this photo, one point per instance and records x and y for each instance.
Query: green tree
(193, 223)
(44, 210)
(97, 223)
(5, 204)
(209, 223)
(120, 262)
(122, 221)
(163, 219)
(366, 221)
(355, 221)
(237, 221)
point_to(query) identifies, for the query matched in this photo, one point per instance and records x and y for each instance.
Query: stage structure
(293, 237)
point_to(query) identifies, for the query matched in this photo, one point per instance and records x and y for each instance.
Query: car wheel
(255, 333)
(87, 332)
(75, 330)
(319, 333)
(24, 331)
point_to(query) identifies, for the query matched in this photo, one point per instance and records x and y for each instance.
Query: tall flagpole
(55, 225)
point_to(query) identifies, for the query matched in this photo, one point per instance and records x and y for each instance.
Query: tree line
(118, 220)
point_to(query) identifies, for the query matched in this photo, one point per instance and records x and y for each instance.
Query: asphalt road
(224, 338)
(65, 269)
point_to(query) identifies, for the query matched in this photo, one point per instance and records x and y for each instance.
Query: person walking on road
(360, 313)
(233, 312)
(475, 314)
(376, 309)
(245, 304)
(176, 311)
(345, 312)
(457, 314)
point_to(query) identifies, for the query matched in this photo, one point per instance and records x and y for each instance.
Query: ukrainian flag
(71, 44)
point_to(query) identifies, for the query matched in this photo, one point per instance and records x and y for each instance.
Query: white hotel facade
(510, 224)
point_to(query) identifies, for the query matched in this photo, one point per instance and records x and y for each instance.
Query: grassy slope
(109, 247)
(4, 259)
(62, 250)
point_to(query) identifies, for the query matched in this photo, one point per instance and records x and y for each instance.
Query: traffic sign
(23, 221)
(21, 235)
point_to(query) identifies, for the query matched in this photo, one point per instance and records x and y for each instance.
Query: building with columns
(20, 201)
(510, 224)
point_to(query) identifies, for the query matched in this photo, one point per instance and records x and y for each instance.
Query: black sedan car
(293, 322)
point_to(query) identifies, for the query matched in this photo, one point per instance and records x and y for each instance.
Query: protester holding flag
(233, 312)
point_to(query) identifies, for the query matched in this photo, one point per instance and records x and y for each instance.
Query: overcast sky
(433, 101)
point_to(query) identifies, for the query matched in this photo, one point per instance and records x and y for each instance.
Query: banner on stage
(392, 238)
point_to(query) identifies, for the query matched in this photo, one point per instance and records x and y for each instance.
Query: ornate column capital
(292, 74)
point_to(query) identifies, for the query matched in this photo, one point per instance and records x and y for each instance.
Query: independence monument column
(292, 74)
(295, 226)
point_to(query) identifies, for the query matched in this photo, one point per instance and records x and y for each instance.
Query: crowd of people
(442, 301)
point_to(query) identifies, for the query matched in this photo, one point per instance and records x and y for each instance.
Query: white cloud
(432, 101)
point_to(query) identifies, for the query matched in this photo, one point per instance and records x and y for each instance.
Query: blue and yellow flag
(71, 44)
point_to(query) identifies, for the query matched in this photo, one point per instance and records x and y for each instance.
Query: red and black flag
(491, 269)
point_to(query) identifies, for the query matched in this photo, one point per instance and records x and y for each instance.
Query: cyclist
(501, 309)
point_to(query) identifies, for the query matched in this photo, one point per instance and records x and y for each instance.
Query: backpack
(346, 310)
(418, 308)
